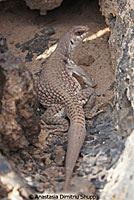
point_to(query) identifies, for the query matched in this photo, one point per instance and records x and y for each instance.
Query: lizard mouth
(85, 34)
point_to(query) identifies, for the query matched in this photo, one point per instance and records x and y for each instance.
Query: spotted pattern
(61, 93)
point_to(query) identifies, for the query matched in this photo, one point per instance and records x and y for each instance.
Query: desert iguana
(62, 94)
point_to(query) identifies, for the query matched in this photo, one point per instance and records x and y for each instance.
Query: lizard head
(70, 40)
(75, 36)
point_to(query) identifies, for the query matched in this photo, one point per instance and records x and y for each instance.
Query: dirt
(19, 24)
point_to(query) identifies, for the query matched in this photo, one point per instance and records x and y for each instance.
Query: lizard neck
(63, 49)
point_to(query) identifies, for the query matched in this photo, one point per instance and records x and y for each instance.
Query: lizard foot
(96, 110)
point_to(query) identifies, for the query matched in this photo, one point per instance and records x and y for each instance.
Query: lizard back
(58, 86)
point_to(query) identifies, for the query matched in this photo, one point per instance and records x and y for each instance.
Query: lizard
(61, 93)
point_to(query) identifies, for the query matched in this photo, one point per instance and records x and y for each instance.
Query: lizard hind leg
(54, 119)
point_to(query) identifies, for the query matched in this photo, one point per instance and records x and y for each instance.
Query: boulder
(19, 125)
(43, 5)
(119, 17)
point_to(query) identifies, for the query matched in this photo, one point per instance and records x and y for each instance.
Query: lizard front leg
(73, 68)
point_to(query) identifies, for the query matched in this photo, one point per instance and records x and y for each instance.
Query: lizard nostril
(72, 42)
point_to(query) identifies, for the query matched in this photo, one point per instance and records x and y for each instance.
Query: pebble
(18, 45)
(12, 42)
(43, 178)
(112, 86)
(48, 31)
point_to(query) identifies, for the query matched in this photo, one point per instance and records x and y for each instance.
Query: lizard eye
(79, 33)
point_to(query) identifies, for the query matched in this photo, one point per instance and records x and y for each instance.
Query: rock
(80, 185)
(120, 18)
(38, 43)
(12, 182)
(18, 121)
(42, 5)
(59, 157)
(121, 44)
(120, 179)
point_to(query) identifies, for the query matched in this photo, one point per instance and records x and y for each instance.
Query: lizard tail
(76, 137)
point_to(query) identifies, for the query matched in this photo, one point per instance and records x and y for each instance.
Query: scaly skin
(59, 90)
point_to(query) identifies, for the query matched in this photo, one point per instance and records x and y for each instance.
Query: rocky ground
(28, 35)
